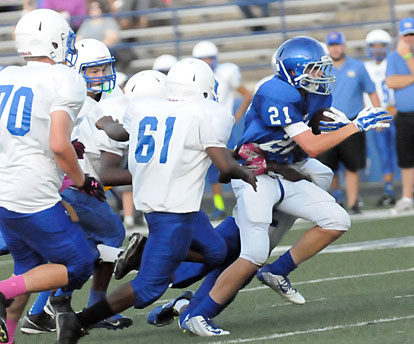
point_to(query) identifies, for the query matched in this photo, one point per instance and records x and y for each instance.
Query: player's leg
(321, 176)
(187, 273)
(353, 155)
(167, 246)
(330, 220)
(219, 207)
(253, 216)
(101, 225)
(25, 235)
(331, 160)
(385, 144)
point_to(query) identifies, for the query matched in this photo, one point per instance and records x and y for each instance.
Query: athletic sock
(218, 202)
(12, 287)
(40, 303)
(284, 265)
(11, 329)
(208, 308)
(60, 292)
(389, 189)
(95, 296)
(94, 314)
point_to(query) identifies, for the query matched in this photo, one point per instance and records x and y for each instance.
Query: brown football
(317, 117)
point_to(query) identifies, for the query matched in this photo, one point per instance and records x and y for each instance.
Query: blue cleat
(165, 314)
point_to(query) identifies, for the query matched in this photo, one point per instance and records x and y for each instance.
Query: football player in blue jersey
(277, 122)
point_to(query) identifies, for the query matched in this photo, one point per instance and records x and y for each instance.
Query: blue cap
(335, 37)
(406, 26)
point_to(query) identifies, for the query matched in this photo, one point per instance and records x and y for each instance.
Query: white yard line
(315, 330)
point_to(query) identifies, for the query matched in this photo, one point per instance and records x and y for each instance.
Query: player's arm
(60, 143)
(112, 172)
(228, 167)
(247, 97)
(112, 128)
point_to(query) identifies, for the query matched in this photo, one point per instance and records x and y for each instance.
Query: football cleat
(130, 259)
(4, 303)
(280, 284)
(38, 323)
(386, 200)
(117, 322)
(58, 304)
(68, 328)
(201, 327)
(403, 205)
(165, 314)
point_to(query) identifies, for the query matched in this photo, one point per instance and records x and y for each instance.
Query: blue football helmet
(303, 63)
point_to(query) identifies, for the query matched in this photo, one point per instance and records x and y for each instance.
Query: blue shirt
(275, 105)
(352, 80)
(396, 65)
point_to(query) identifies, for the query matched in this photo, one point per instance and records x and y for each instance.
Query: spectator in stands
(104, 29)
(352, 80)
(248, 13)
(378, 43)
(140, 21)
(68, 9)
(400, 77)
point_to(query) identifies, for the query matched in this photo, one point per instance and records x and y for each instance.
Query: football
(317, 118)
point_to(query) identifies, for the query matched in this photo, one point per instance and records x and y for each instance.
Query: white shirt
(377, 75)
(228, 77)
(167, 157)
(29, 176)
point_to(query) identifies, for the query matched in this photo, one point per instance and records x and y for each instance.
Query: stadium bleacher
(178, 28)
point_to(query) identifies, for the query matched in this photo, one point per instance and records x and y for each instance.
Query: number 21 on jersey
(146, 141)
(274, 114)
(20, 113)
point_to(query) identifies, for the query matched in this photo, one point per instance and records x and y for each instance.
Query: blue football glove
(339, 120)
(371, 118)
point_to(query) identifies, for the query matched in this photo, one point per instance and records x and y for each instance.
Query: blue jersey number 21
(146, 143)
(17, 106)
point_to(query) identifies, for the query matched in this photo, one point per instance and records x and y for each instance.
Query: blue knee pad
(167, 246)
(97, 218)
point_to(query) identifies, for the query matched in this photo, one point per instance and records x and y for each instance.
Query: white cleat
(281, 285)
(402, 205)
(202, 327)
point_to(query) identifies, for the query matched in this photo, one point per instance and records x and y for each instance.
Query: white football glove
(339, 120)
(371, 118)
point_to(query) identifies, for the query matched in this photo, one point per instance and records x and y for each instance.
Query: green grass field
(365, 296)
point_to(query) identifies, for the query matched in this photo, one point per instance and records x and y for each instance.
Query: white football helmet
(206, 50)
(191, 78)
(163, 63)
(148, 83)
(378, 36)
(94, 53)
(45, 33)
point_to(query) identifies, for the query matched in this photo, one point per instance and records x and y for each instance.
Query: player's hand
(372, 118)
(254, 157)
(339, 120)
(79, 148)
(103, 121)
(93, 188)
(250, 178)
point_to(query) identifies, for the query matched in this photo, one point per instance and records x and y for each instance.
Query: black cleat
(68, 328)
(4, 303)
(130, 259)
(117, 323)
(58, 304)
(38, 323)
